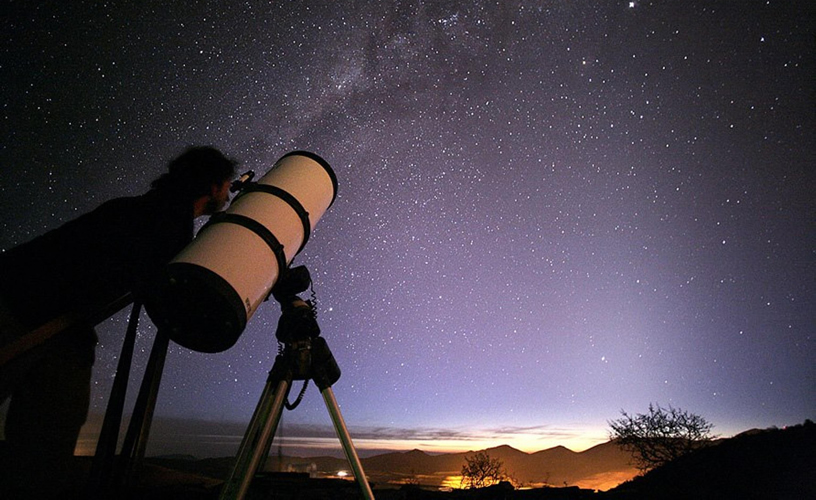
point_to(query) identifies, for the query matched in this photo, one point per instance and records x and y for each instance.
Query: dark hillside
(771, 464)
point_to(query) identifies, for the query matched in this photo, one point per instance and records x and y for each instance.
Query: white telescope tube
(218, 281)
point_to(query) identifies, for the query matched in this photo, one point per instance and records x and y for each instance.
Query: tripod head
(293, 280)
(305, 354)
(298, 319)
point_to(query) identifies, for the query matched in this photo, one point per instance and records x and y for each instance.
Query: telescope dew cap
(323, 163)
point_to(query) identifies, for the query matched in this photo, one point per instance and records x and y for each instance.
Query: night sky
(548, 211)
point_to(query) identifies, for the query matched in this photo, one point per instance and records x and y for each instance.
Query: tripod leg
(133, 449)
(257, 438)
(345, 440)
(109, 435)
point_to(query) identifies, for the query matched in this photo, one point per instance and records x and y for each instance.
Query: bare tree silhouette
(661, 435)
(482, 470)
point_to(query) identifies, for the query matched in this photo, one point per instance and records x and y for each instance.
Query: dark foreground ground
(777, 464)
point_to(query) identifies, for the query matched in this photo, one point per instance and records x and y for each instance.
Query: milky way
(547, 211)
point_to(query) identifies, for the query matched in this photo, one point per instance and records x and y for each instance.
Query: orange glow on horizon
(459, 440)
(528, 443)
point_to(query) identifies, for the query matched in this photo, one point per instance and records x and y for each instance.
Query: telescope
(214, 285)
(209, 292)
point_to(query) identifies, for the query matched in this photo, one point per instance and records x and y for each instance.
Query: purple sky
(547, 211)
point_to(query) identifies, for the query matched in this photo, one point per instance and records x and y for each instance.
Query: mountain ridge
(552, 466)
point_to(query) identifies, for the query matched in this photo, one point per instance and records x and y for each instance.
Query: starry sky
(548, 211)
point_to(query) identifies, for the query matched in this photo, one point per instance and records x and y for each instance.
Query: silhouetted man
(55, 288)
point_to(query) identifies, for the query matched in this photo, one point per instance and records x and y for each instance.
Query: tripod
(305, 356)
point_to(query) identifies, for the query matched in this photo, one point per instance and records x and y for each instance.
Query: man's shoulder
(150, 203)
(128, 202)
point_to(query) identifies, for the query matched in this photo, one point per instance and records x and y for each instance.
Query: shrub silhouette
(481, 470)
(661, 435)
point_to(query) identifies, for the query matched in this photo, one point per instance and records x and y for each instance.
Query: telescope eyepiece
(239, 183)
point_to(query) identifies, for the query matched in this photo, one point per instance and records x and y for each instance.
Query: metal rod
(133, 449)
(345, 440)
(256, 440)
(109, 435)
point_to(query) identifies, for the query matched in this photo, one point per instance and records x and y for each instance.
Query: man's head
(215, 200)
(200, 175)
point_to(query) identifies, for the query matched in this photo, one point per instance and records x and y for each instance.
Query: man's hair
(194, 172)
